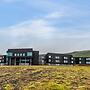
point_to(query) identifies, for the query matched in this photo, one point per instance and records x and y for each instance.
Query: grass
(45, 78)
(85, 53)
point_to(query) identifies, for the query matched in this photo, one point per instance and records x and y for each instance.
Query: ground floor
(19, 61)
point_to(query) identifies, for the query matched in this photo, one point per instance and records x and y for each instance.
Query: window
(43, 61)
(65, 57)
(87, 58)
(57, 61)
(15, 54)
(57, 57)
(0, 57)
(80, 62)
(18, 54)
(72, 58)
(29, 53)
(23, 54)
(88, 62)
(23, 60)
(42, 57)
(65, 61)
(71, 61)
(80, 58)
(10, 54)
(49, 60)
(49, 56)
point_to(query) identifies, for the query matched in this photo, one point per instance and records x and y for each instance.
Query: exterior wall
(57, 59)
(35, 60)
(2, 60)
(42, 59)
(82, 60)
(22, 57)
(88, 60)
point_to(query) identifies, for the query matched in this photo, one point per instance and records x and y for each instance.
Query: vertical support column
(29, 61)
(10, 61)
(20, 61)
(25, 61)
(15, 62)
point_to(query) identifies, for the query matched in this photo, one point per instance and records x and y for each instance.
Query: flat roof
(20, 50)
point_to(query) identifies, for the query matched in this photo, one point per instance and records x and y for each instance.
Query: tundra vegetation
(45, 78)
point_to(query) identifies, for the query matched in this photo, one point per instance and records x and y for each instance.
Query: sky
(45, 25)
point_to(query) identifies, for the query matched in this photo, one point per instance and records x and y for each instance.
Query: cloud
(55, 15)
(44, 37)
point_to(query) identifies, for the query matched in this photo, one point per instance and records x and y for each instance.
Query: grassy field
(45, 78)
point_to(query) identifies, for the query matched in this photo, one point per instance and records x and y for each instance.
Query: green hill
(85, 53)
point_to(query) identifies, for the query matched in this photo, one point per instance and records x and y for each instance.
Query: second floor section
(20, 52)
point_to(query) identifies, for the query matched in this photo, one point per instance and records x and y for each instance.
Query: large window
(57, 57)
(65, 57)
(15, 54)
(65, 61)
(10, 54)
(49, 56)
(87, 59)
(87, 62)
(29, 53)
(80, 58)
(57, 61)
(23, 54)
(71, 61)
(49, 60)
(80, 62)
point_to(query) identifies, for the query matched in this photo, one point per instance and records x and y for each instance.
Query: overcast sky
(45, 25)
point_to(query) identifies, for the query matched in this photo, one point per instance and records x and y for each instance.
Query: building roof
(59, 54)
(20, 50)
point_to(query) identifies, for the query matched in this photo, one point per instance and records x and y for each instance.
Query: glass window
(49, 56)
(80, 62)
(23, 54)
(57, 57)
(20, 54)
(10, 54)
(0, 57)
(87, 58)
(15, 54)
(57, 61)
(65, 57)
(65, 61)
(87, 62)
(29, 53)
(49, 60)
(71, 61)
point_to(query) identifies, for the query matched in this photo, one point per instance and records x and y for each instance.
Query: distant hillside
(85, 53)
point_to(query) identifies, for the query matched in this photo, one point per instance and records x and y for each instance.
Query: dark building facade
(82, 60)
(42, 59)
(2, 60)
(24, 56)
(58, 59)
(27, 56)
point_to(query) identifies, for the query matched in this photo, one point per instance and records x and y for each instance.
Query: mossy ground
(45, 78)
